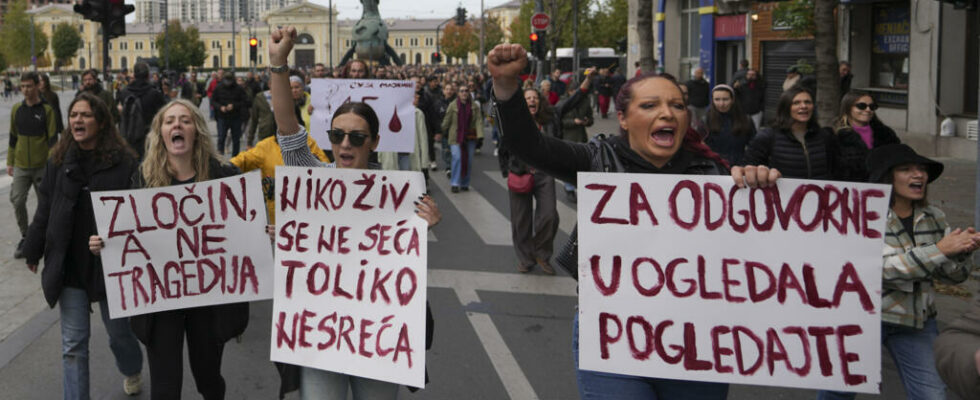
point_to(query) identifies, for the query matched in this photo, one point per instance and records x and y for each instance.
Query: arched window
(403, 58)
(81, 63)
(125, 62)
(418, 58)
(304, 38)
(214, 62)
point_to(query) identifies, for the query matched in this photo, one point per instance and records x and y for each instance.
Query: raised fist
(281, 44)
(506, 61)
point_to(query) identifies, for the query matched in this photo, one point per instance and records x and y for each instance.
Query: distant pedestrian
(33, 130)
(574, 120)
(739, 75)
(91, 84)
(463, 124)
(604, 89)
(90, 157)
(751, 94)
(8, 87)
(844, 71)
(228, 100)
(729, 129)
(139, 102)
(549, 95)
(858, 132)
(698, 95)
(52, 99)
(441, 105)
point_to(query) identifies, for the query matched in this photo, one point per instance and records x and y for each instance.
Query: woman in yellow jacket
(266, 156)
(463, 126)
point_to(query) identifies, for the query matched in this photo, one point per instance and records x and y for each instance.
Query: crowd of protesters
(151, 127)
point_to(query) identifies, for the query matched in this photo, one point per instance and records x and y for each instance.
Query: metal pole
(575, 58)
(976, 211)
(166, 34)
(234, 46)
(538, 7)
(33, 53)
(483, 34)
(250, 48)
(330, 34)
(105, 53)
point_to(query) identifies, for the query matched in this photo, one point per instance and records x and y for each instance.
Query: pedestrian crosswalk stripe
(492, 226)
(567, 216)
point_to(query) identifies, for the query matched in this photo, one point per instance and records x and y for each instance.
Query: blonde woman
(180, 151)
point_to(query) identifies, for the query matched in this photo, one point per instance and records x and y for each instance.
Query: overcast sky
(351, 9)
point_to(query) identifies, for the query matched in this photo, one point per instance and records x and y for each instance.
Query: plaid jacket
(910, 267)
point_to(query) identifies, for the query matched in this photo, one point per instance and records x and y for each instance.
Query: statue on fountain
(370, 36)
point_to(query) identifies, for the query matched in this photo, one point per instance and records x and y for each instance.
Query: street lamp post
(33, 53)
(166, 34)
(234, 46)
(483, 35)
(330, 33)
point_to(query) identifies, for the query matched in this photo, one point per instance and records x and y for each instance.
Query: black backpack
(567, 257)
(132, 125)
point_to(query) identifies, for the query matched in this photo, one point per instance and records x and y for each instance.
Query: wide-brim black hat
(884, 158)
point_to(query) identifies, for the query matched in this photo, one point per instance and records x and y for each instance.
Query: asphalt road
(499, 334)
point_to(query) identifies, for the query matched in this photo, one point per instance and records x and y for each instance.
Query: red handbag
(520, 183)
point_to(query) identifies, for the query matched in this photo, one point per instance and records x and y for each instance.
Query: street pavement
(499, 334)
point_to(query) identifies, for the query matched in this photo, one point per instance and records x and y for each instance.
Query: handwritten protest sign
(689, 278)
(350, 273)
(391, 100)
(184, 246)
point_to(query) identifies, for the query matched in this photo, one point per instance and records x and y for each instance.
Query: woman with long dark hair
(729, 128)
(90, 156)
(858, 132)
(795, 144)
(51, 98)
(354, 135)
(655, 137)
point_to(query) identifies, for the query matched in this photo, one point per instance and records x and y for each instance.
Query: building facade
(414, 40)
(506, 13)
(196, 11)
(877, 37)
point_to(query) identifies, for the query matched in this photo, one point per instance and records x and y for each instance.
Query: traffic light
(115, 22)
(436, 57)
(460, 16)
(253, 49)
(538, 47)
(92, 10)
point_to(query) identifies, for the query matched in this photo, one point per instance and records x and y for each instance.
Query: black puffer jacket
(228, 320)
(228, 92)
(853, 156)
(51, 232)
(778, 148)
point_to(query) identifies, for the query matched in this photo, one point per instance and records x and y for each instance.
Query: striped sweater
(909, 267)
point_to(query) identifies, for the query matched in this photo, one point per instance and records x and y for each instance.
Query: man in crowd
(33, 130)
(319, 70)
(440, 106)
(698, 94)
(357, 69)
(432, 98)
(556, 84)
(743, 68)
(90, 83)
(751, 93)
(228, 101)
(150, 101)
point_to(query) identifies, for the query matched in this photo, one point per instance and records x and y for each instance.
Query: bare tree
(644, 28)
(825, 45)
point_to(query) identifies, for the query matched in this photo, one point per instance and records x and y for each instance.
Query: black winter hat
(884, 158)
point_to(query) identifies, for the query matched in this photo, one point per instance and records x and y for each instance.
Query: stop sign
(540, 21)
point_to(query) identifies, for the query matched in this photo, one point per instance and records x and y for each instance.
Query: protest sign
(688, 277)
(350, 273)
(391, 100)
(184, 246)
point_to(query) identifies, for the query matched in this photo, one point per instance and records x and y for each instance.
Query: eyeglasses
(865, 106)
(357, 139)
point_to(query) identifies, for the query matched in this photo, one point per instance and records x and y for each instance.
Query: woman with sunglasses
(858, 131)
(353, 136)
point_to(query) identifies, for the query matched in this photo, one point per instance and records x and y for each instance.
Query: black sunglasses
(357, 139)
(865, 106)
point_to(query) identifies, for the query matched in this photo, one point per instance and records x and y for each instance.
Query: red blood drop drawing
(395, 125)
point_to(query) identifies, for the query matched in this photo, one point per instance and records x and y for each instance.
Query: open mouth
(917, 187)
(345, 159)
(663, 137)
(78, 130)
(177, 138)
